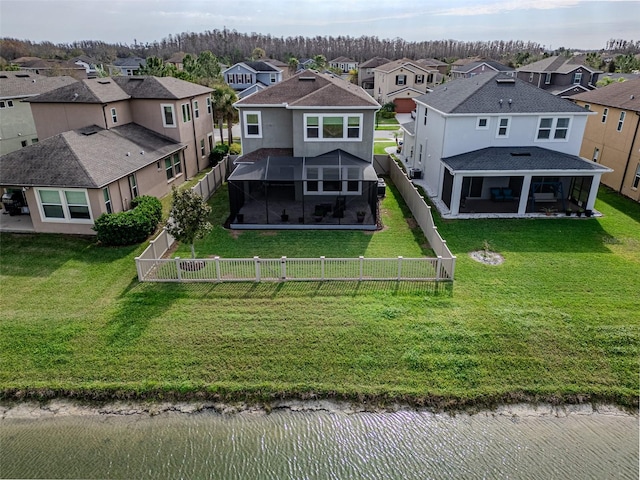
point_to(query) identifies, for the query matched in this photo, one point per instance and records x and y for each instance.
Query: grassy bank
(558, 321)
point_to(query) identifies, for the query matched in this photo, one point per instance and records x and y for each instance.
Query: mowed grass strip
(558, 321)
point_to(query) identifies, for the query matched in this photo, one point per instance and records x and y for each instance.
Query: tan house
(366, 73)
(401, 81)
(104, 142)
(612, 137)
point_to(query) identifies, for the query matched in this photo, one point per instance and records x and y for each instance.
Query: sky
(575, 24)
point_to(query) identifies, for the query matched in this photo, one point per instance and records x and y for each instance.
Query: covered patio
(518, 181)
(335, 190)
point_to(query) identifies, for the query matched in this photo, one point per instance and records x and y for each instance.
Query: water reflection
(321, 445)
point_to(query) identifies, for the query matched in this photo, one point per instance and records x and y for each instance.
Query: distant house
(127, 66)
(283, 67)
(344, 64)
(560, 75)
(612, 136)
(50, 68)
(433, 64)
(307, 156)
(401, 81)
(495, 144)
(476, 68)
(248, 77)
(17, 128)
(177, 60)
(89, 64)
(366, 73)
(105, 141)
(304, 63)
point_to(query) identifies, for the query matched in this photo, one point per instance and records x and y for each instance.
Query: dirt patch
(487, 257)
(268, 233)
(235, 233)
(412, 223)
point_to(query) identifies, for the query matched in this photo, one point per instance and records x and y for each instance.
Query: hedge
(132, 226)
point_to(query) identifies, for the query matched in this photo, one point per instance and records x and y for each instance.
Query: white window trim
(173, 115)
(174, 162)
(196, 109)
(621, 119)
(636, 179)
(209, 105)
(508, 127)
(246, 126)
(605, 112)
(108, 204)
(577, 76)
(547, 78)
(65, 206)
(345, 127)
(344, 182)
(552, 130)
(404, 81)
(531, 77)
(210, 142)
(596, 154)
(479, 127)
(186, 112)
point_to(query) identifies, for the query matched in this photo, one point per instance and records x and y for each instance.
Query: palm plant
(222, 99)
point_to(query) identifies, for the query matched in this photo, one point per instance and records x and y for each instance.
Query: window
(333, 127)
(210, 141)
(577, 77)
(273, 78)
(426, 113)
(621, 121)
(531, 77)
(605, 112)
(483, 123)
(553, 129)
(6, 103)
(203, 152)
(186, 112)
(587, 106)
(133, 185)
(114, 115)
(34, 140)
(196, 109)
(430, 78)
(23, 143)
(168, 116)
(503, 127)
(596, 154)
(636, 179)
(419, 79)
(401, 79)
(420, 154)
(312, 183)
(3, 104)
(209, 105)
(64, 205)
(547, 78)
(252, 124)
(107, 199)
(172, 166)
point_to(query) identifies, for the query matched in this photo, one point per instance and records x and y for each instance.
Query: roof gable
(97, 90)
(624, 95)
(169, 88)
(24, 84)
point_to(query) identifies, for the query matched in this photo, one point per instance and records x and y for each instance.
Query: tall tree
(294, 63)
(258, 53)
(188, 219)
(222, 98)
(153, 66)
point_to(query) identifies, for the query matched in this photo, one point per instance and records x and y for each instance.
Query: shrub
(132, 226)
(388, 107)
(218, 153)
(235, 149)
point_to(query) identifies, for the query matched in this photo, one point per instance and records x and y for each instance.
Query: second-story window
(114, 115)
(547, 78)
(426, 113)
(605, 112)
(577, 77)
(553, 128)
(419, 79)
(401, 79)
(273, 78)
(503, 127)
(621, 121)
(483, 123)
(252, 124)
(531, 77)
(196, 109)
(168, 116)
(332, 127)
(186, 112)
(209, 105)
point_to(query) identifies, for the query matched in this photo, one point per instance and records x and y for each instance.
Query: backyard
(557, 321)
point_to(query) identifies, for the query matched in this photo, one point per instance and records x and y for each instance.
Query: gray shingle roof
(623, 95)
(520, 159)
(374, 62)
(97, 90)
(24, 84)
(493, 64)
(169, 88)
(403, 62)
(261, 66)
(129, 62)
(482, 94)
(82, 159)
(312, 89)
(558, 64)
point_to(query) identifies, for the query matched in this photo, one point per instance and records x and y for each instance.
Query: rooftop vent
(22, 75)
(3, 76)
(506, 80)
(307, 79)
(104, 82)
(520, 154)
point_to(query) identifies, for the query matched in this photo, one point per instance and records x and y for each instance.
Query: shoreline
(63, 407)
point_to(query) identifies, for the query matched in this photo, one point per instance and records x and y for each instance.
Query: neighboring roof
(567, 90)
(177, 57)
(311, 89)
(431, 62)
(495, 93)
(276, 63)
(85, 59)
(520, 159)
(403, 62)
(557, 64)
(342, 60)
(464, 61)
(623, 95)
(409, 127)
(25, 84)
(374, 62)
(256, 87)
(97, 90)
(261, 66)
(129, 62)
(169, 88)
(39, 63)
(90, 157)
(470, 66)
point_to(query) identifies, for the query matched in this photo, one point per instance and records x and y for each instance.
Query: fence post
(178, 269)
(139, 269)
(361, 266)
(153, 249)
(217, 259)
(399, 267)
(283, 267)
(438, 267)
(257, 262)
(322, 267)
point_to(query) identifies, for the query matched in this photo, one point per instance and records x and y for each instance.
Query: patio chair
(496, 194)
(507, 194)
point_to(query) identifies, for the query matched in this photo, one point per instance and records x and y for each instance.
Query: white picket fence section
(285, 269)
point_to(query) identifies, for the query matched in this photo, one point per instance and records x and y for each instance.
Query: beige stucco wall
(54, 118)
(16, 126)
(385, 83)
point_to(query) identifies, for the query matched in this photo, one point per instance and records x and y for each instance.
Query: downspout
(195, 138)
(104, 114)
(626, 167)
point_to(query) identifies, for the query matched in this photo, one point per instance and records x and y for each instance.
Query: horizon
(572, 24)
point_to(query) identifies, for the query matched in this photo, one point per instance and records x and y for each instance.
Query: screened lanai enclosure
(335, 190)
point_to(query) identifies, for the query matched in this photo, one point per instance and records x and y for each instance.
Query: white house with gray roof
(495, 144)
(250, 77)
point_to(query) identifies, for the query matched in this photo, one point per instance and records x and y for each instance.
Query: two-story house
(344, 64)
(560, 75)
(17, 128)
(104, 142)
(307, 156)
(612, 136)
(482, 66)
(366, 73)
(251, 77)
(495, 144)
(401, 81)
(127, 66)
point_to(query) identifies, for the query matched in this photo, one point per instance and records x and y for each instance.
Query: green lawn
(559, 321)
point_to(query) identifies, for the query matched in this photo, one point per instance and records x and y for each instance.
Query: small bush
(235, 149)
(218, 153)
(388, 107)
(132, 226)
